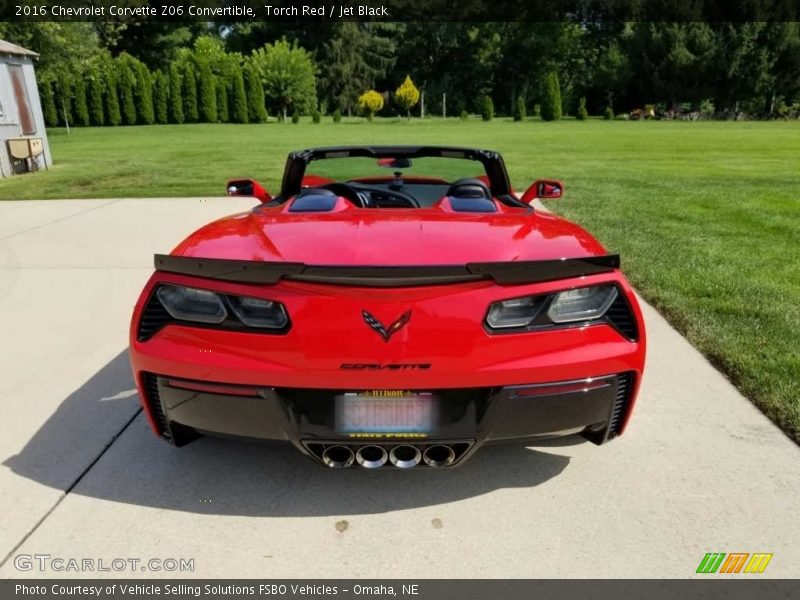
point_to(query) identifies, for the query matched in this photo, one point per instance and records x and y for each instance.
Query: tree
(113, 115)
(161, 97)
(582, 113)
(239, 97)
(288, 75)
(208, 95)
(64, 102)
(551, 100)
(144, 94)
(256, 112)
(407, 95)
(95, 98)
(175, 94)
(487, 110)
(221, 87)
(126, 82)
(48, 101)
(370, 102)
(519, 111)
(81, 111)
(355, 56)
(189, 90)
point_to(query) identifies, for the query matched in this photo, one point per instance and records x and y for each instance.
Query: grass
(705, 215)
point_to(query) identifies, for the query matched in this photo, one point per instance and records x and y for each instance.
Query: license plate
(385, 411)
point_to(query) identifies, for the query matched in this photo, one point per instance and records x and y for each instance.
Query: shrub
(239, 113)
(519, 109)
(126, 81)
(464, 116)
(407, 95)
(537, 110)
(81, 109)
(143, 92)
(608, 113)
(175, 95)
(583, 114)
(295, 117)
(551, 102)
(337, 116)
(370, 102)
(316, 117)
(487, 110)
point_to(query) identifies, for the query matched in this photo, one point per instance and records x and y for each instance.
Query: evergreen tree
(161, 97)
(487, 110)
(190, 111)
(126, 82)
(551, 101)
(221, 87)
(255, 94)
(95, 97)
(175, 95)
(113, 115)
(239, 96)
(48, 103)
(208, 95)
(81, 110)
(144, 94)
(519, 110)
(582, 114)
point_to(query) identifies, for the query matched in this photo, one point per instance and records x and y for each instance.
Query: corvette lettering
(386, 366)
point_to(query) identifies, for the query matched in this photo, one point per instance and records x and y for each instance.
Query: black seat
(469, 188)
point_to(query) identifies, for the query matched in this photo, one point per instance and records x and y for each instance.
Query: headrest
(469, 188)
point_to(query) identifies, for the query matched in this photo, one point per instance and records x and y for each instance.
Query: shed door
(23, 105)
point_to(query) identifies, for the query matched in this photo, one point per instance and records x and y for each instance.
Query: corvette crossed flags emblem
(383, 331)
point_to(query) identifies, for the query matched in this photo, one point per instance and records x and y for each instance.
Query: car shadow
(127, 463)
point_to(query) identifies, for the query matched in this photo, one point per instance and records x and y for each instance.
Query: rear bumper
(594, 407)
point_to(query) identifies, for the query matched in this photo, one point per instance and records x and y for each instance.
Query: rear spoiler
(504, 273)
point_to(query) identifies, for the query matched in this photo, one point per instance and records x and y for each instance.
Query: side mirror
(543, 188)
(248, 187)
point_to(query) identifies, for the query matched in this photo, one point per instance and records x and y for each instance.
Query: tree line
(118, 73)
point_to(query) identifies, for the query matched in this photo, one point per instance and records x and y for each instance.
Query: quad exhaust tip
(439, 455)
(338, 457)
(371, 457)
(405, 457)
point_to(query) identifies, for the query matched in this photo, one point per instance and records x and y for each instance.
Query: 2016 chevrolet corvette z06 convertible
(393, 306)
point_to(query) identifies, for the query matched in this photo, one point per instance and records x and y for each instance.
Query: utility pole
(444, 105)
(422, 106)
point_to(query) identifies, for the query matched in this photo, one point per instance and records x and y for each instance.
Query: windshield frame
(297, 163)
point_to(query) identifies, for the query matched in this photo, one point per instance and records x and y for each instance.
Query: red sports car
(395, 319)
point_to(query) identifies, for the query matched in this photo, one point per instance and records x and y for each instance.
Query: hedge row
(122, 91)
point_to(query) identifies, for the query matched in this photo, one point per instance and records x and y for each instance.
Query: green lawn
(705, 215)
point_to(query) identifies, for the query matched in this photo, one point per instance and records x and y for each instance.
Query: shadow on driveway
(216, 476)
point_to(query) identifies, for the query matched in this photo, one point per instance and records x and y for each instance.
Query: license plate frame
(385, 412)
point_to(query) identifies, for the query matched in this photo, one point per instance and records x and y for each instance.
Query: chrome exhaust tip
(338, 457)
(439, 455)
(405, 457)
(371, 457)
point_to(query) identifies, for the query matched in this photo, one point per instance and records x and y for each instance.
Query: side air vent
(623, 397)
(153, 399)
(154, 317)
(620, 315)
(473, 205)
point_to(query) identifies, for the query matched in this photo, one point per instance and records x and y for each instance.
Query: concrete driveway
(700, 469)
